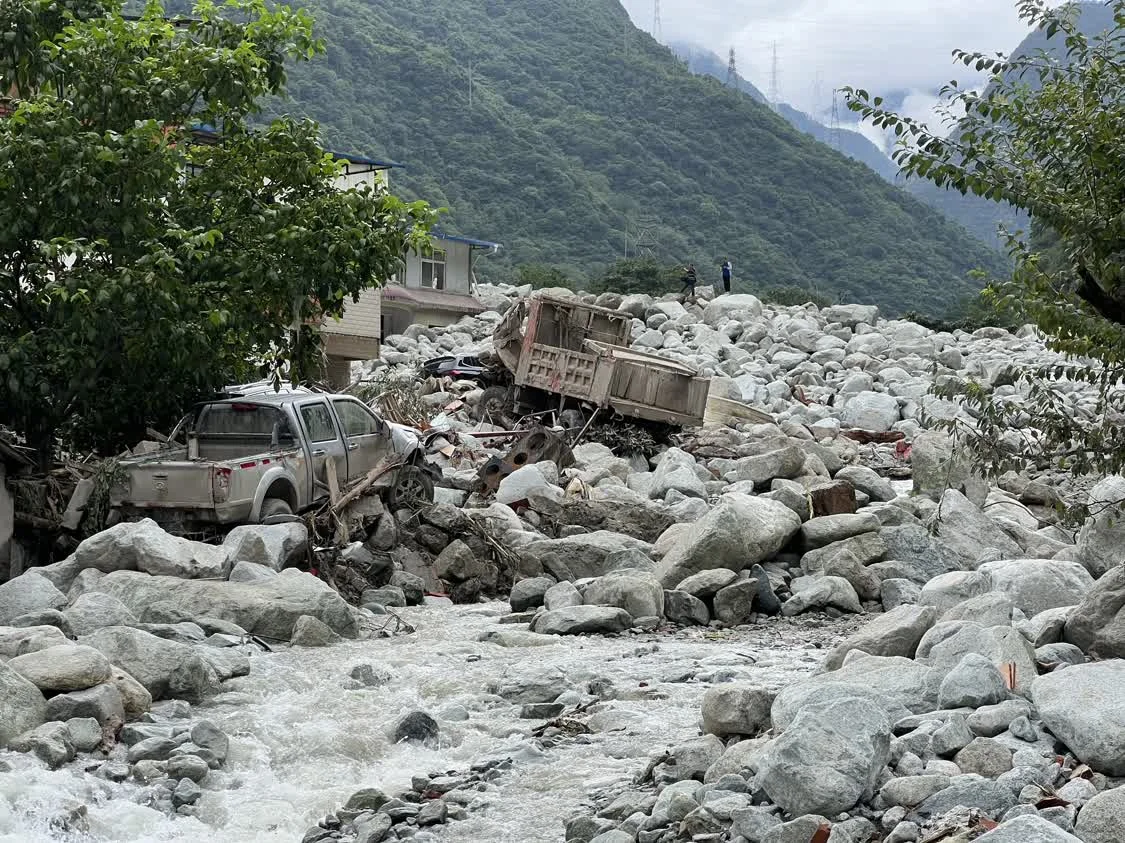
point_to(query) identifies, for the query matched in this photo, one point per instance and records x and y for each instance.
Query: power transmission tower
(775, 88)
(657, 29)
(834, 128)
(646, 243)
(732, 71)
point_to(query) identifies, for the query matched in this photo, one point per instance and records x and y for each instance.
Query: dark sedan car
(459, 367)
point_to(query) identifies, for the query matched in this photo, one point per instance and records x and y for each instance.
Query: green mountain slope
(581, 128)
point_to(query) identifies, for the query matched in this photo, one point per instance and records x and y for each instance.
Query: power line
(657, 29)
(732, 71)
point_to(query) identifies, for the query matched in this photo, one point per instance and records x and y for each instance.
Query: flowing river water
(301, 742)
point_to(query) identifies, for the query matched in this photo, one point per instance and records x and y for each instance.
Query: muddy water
(301, 743)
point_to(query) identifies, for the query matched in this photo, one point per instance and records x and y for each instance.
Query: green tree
(139, 268)
(541, 276)
(1046, 137)
(639, 275)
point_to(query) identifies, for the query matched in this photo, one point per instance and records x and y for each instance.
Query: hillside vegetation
(581, 128)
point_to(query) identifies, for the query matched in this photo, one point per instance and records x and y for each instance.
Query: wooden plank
(332, 478)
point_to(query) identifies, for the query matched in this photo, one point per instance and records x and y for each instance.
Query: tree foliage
(540, 276)
(1046, 137)
(639, 275)
(139, 268)
(583, 134)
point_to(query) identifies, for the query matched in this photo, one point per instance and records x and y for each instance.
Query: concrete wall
(7, 515)
(361, 318)
(457, 267)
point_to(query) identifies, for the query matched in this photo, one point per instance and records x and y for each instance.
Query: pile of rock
(370, 815)
(972, 707)
(136, 616)
(831, 368)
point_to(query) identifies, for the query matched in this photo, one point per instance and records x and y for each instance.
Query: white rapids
(301, 743)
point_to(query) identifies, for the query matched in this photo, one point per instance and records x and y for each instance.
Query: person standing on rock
(728, 271)
(689, 280)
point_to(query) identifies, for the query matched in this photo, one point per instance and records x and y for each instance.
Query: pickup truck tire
(272, 507)
(412, 489)
(495, 403)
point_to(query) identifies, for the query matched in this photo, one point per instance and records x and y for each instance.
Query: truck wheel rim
(411, 490)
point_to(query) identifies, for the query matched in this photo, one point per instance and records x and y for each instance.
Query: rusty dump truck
(573, 358)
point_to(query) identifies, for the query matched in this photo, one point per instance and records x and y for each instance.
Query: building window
(433, 268)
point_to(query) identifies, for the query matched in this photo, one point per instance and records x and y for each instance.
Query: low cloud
(878, 45)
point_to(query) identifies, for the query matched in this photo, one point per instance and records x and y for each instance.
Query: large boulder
(1084, 707)
(865, 480)
(1029, 828)
(1097, 624)
(928, 556)
(968, 531)
(1101, 541)
(577, 557)
(528, 593)
(638, 593)
(1102, 818)
(939, 464)
(143, 546)
(706, 584)
(895, 685)
(685, 609)
(641, 521)
(947, 591)
(828, 759)
(1036, 585)
(95, 609)
(575, 620)
(829, 529)
(739, 532)
(812, 593)
(874, 411)
(274, 546)
(525, 483)
(67, 667)
(895, 633)
(946, 644)
(457, 563)
(22, 706)
(269, 608)
(676, 472)
(17, 640)
(30, 592)
(737, 709)
(852, 315)
(762, 469)
(726, 306)
(167, 669)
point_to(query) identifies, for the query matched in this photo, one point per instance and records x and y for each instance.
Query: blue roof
(472, 241)
(211, 131)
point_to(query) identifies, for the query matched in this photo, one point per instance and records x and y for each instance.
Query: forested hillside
(581, 128)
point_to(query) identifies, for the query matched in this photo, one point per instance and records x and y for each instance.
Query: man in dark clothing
(727, 271)
(689, 280)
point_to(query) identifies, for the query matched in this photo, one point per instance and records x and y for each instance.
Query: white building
(434, 288)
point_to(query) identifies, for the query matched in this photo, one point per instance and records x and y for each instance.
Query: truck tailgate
(178, 484)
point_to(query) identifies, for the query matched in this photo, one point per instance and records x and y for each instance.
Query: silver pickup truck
(246, 460)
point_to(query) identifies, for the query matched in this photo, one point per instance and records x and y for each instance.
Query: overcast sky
(880, 45)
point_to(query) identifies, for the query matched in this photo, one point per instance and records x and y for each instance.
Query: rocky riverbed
(752, 636)
(304, 737)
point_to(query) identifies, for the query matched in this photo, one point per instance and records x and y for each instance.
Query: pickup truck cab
(248, 459)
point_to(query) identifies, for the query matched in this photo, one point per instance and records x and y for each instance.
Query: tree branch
(1092, 293)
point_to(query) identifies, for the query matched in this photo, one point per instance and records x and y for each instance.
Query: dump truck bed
(577, 350)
